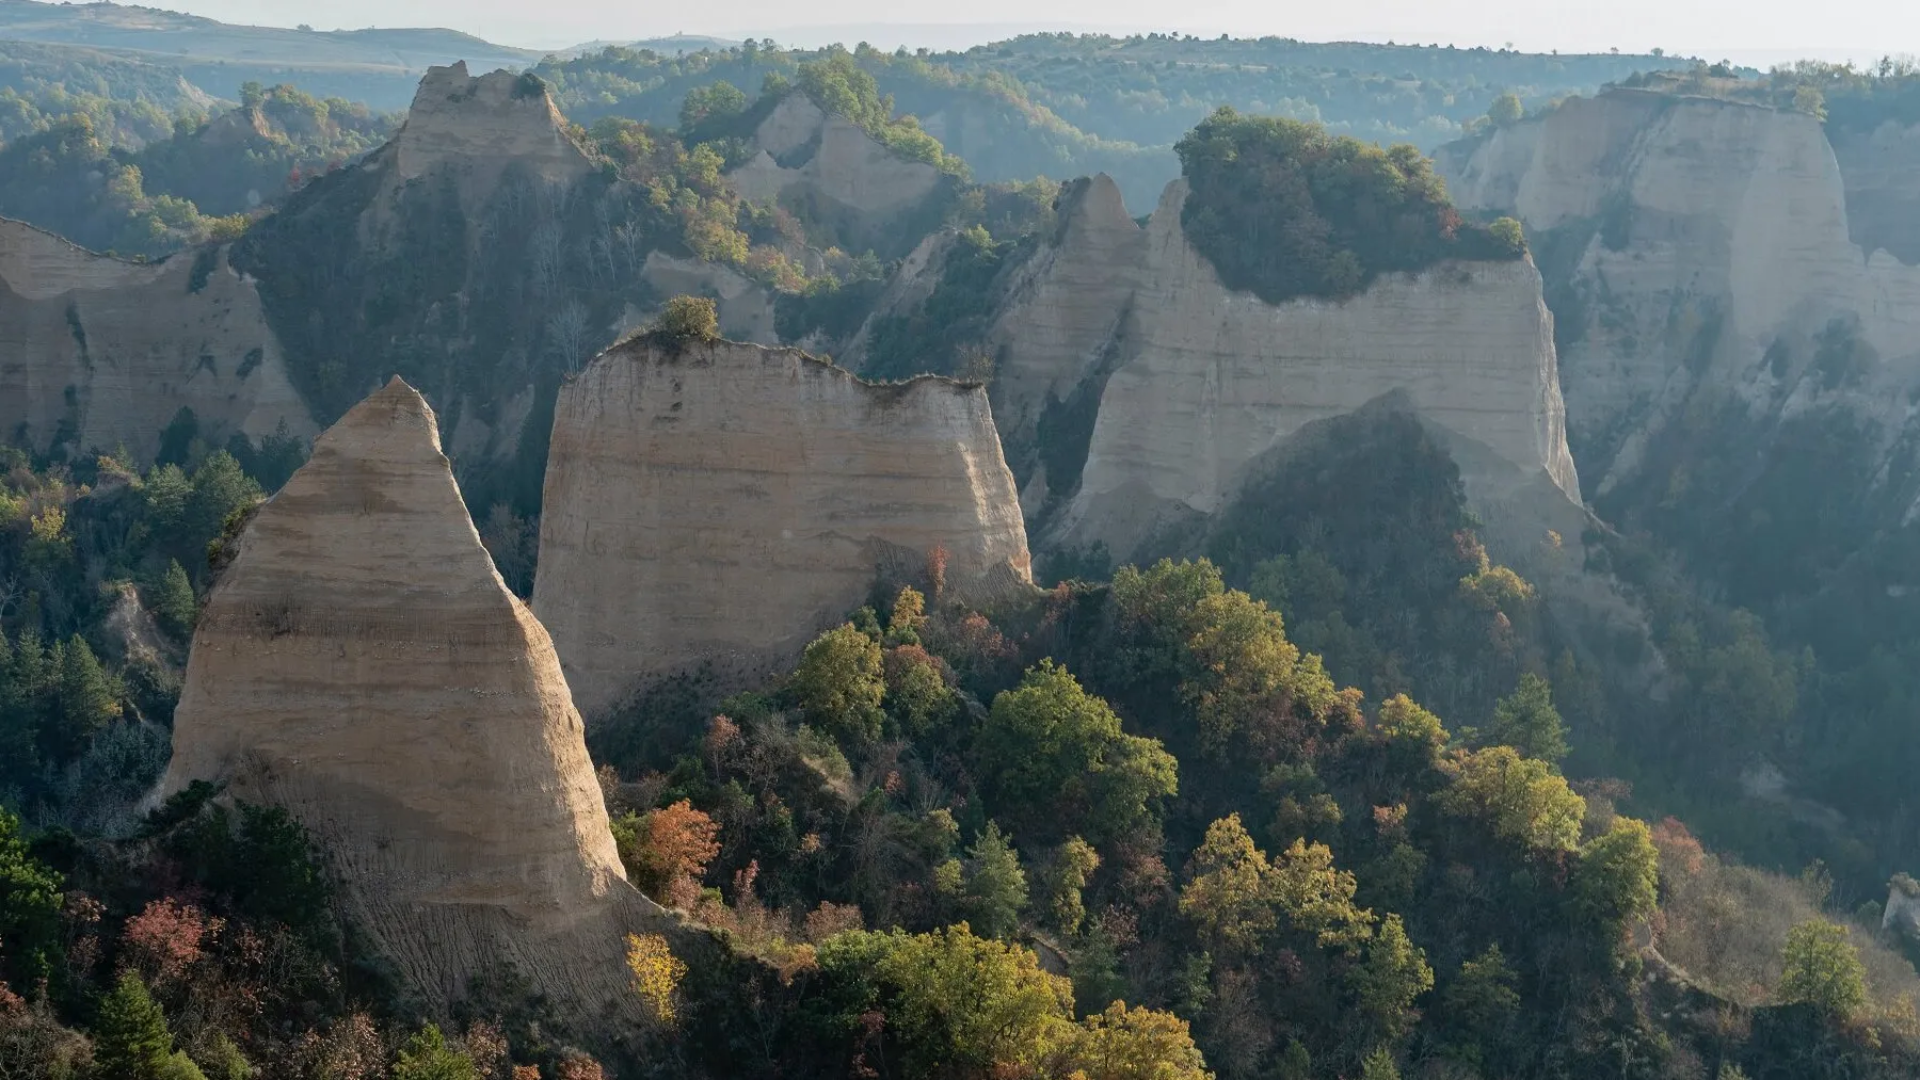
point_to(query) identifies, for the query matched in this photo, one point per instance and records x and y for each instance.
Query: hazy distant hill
(379, 67)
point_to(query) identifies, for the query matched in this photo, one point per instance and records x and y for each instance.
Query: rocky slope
(724, 503)
(1701, 254)
(360, 663)
(837, 175)
(97, 353)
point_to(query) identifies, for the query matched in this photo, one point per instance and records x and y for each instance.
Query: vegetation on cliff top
(1283, 209)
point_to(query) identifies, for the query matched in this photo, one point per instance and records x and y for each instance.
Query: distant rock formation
(1881, 171)
(1701, 252)
(824, 163)
(360, 663)
(1139, 391)
(455, 255)
(97, 353)
(481, 125)
(724, 503)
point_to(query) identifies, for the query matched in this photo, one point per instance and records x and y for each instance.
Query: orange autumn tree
(666, 851)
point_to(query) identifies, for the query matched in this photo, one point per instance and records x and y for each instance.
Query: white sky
(1746, 30)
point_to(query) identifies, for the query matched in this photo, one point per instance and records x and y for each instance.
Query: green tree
(426, 1056)
(130, 1036)
(1506, 109)
(174, 604)
(1481, 997)
(1617, 878)
(1132, 1044)
(1073, 867)
(996, 888)
(840, 683)
(959, 1005)
(688, 319)
(1527, 721)
(1380, 1065)
(1228, 894)
(1390, 979)
(720, 101)
(1520, 800)
(30, 902)
(1056, 759)
(1821, 968)
(86, 701)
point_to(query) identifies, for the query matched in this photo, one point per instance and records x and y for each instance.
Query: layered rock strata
(360, 663)
(1699, 246)
(1123, 358)
(97, 354)
(718, 505)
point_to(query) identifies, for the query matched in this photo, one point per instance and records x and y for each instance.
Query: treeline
(157, 184)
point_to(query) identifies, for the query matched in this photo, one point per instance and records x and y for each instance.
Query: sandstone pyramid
(361, 664)
(722, 504)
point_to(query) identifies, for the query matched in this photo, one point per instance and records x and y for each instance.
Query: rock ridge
(719, 505)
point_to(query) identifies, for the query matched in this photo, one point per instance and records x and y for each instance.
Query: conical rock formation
(722, 504)
(361, 664)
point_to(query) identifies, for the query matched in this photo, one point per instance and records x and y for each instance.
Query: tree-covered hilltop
(1062, 106)
(1283, 208)
(145, 193)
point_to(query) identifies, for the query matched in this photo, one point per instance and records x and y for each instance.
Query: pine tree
(1527, 721)
(173, 602)
(86, 699)
(996, 886)
(130, 1036)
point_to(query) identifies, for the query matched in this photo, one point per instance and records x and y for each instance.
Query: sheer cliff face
(1698, 247)
(96, 353)
(723, 504)
(1181, 385)
(1066, 311)
(826, 164)
(360, 663)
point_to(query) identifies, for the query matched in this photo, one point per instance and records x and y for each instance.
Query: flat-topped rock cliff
(97, 353)
(360, 663)
(1701, 251)
(1138, 390)
(1212, 379)
(467, 122)
(723, 503)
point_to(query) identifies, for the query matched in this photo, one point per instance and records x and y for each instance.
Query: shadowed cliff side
(724, 502)
(361, 664)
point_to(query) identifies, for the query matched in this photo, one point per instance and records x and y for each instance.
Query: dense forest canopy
(1282, 208)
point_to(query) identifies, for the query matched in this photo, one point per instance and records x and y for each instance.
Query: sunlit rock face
(719, 504)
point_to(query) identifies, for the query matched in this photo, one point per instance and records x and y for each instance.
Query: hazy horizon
(1760, 32)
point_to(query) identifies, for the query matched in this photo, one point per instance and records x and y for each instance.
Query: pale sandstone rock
(361, 664)
(1881, 171)
(482, 124)
(744, 305)
(103, 353)
(806, 151)
(1209, 380)
(1065, 314)
(1719, 250)
(726, 503)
